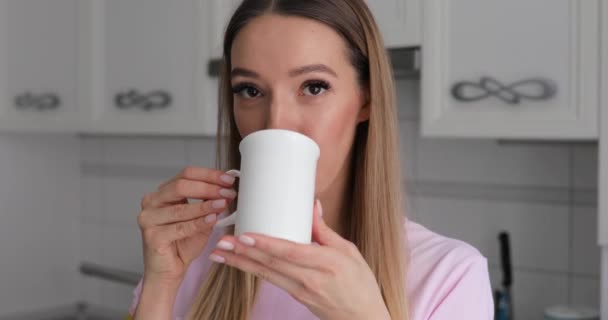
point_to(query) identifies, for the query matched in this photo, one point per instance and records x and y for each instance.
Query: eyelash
(240, 88)
(317, 83)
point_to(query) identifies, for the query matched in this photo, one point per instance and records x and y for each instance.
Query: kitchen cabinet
(38, 69)
(144, 69)
(131, 66)
(218, 15)
(602, 224)
(399, 21)
(519, 69)
(218, 12)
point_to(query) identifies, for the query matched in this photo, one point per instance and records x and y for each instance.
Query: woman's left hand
(332, 280)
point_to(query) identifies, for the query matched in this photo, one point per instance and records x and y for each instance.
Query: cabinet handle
(511, 94)
(157, 99)
(40, 102)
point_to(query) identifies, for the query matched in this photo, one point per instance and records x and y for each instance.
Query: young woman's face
(294, 73)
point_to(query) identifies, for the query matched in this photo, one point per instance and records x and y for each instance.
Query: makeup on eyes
(241, 87)
(252, 90)
(317, 83)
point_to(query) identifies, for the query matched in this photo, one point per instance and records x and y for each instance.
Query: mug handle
(231, 219)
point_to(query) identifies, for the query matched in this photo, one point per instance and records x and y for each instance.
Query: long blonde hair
(376, 221)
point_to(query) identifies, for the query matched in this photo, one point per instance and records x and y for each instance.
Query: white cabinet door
(515, 69)
(602, 223)
(399, 21)
(38, 65)
(146, 64)
(218, 15)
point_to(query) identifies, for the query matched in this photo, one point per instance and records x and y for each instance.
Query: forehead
(276, 42)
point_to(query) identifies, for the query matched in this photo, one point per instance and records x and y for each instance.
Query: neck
(335, 201)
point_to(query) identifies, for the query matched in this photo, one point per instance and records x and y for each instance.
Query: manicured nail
(220, 203)
(319, 207)
(247, 240)
(228, 193)
(210, 218)
(227, 178)
(225, 245)
(216, 258)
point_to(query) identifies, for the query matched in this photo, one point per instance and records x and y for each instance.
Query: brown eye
(246, 91)
(315, 88)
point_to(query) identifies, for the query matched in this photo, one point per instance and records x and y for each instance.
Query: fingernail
(247, 240)
(319, 207)
(210, 218)
(220, 203)
(228, 193)
(216, 258)
(225, 245)
(227, 178)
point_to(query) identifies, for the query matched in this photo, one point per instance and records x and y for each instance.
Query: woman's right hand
(174, 231)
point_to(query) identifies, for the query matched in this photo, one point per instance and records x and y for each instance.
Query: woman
(318, 67)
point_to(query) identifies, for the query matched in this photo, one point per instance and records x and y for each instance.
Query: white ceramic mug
(277, 185)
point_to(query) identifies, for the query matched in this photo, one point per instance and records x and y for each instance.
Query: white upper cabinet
(399, 21)
(218, 15)
(145, 66)
(514, 69)
(602, 223)
(38, 65)
(603, 154)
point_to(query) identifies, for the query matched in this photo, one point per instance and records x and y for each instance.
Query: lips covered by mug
(277, 185)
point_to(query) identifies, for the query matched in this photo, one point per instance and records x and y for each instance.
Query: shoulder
(446, 277)
(427, 246)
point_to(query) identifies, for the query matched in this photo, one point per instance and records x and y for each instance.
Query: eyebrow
(292, 73)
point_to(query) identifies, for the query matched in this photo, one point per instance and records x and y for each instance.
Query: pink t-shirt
(447, 279)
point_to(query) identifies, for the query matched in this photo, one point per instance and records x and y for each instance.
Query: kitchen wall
(543, 194)
(39, 206)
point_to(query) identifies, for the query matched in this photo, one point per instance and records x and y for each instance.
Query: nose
(282, 114)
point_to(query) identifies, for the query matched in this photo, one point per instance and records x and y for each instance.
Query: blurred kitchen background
(102, 100)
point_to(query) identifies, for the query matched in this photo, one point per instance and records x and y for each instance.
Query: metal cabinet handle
(157, 99)
(511, 94)
(38, 102)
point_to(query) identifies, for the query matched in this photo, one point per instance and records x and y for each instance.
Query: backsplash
(39, 235)
(543, 194)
